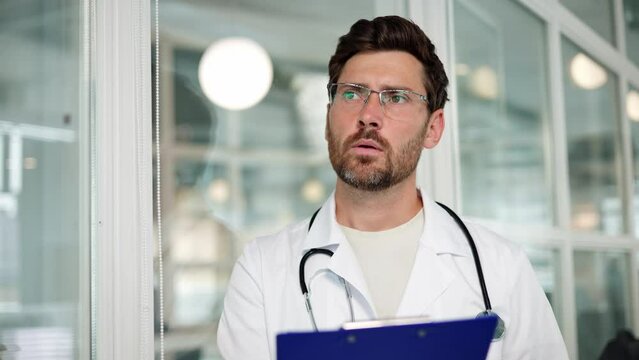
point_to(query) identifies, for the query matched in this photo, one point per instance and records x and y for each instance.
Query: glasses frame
(369, 91)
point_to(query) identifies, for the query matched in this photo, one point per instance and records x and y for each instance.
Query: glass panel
(199, 294)
(195, 118)
(276, 193)
(631, 17)
(598, 14)
(503, 111)
(43, 267)
(235, 172)
(602, 299)
(632, 113)
(546, 263)
(592, 128)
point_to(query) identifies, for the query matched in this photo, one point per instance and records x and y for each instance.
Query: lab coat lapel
(432, 272)
(429, 279)
(326, 233)
(344, 263)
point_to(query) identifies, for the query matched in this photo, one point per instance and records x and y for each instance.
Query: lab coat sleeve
(533, 332)
(242, 329)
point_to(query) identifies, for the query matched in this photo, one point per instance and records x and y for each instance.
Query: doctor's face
(373, 147)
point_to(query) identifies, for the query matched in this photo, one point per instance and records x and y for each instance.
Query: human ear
(435, 129)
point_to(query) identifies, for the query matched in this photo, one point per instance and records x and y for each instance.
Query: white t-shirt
(386, 259)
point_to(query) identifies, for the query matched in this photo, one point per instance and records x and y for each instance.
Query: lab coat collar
(441, 235)
(325, 230)
(441, 232)
(432, 274)
(327, 233)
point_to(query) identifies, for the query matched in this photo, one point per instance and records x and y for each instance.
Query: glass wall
(592, 134)
(632, 114)
(601, 294)
(517, 127)
(598, 14)
(502, 99)
(504, 139)
(43, 203)
(631, 17)
(233, 171)
(547, 265)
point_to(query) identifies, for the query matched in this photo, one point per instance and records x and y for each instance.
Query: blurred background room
(541, 145)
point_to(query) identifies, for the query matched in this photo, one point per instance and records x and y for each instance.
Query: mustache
(366, 135)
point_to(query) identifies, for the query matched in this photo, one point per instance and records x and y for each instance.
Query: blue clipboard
(459, 339)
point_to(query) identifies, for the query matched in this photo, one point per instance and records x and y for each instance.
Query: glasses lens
(395, 103)
(399, 103)
(348, 97)
(351, 93)
(396, 97)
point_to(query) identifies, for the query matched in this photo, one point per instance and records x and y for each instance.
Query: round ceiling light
(484, 83)
(632, 105)
(235, 73)
(586, 73)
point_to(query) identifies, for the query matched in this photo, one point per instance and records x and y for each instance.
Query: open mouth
(367, 144)
(366, 147)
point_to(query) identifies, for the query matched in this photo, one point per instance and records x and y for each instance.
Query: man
(396, 252)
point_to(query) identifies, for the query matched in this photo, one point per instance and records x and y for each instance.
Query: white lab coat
(264, 296)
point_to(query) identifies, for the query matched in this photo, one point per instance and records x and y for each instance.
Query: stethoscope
(499, 330)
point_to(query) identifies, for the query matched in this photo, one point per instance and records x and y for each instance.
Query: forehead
(384, 70)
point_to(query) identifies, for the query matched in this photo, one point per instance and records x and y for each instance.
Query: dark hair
(386, 33)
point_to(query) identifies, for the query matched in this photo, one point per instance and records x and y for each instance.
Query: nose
(372, 113)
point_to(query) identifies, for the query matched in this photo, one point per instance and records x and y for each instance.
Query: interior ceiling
(328, 12)
(309, 38)
(310, 30)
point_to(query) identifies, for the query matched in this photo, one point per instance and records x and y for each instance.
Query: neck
(376, 210)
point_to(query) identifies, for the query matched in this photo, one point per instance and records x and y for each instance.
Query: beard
(365, 172)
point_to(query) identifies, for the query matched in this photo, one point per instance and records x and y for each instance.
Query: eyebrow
(384, 87)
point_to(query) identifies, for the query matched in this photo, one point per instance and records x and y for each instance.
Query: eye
(351, 94)
(397, 97)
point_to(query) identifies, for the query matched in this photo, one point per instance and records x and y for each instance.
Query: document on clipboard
(392, 339)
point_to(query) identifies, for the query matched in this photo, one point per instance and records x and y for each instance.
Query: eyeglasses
(396, 103)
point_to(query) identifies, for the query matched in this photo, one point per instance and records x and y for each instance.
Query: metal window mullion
(619, 24)
(626, 161)
(634, 289)
(122, 149)
(568, 310)
(562, 186)
(627, 166)
(628, 197)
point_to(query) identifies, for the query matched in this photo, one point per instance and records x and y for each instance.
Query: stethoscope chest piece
(500, 329)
